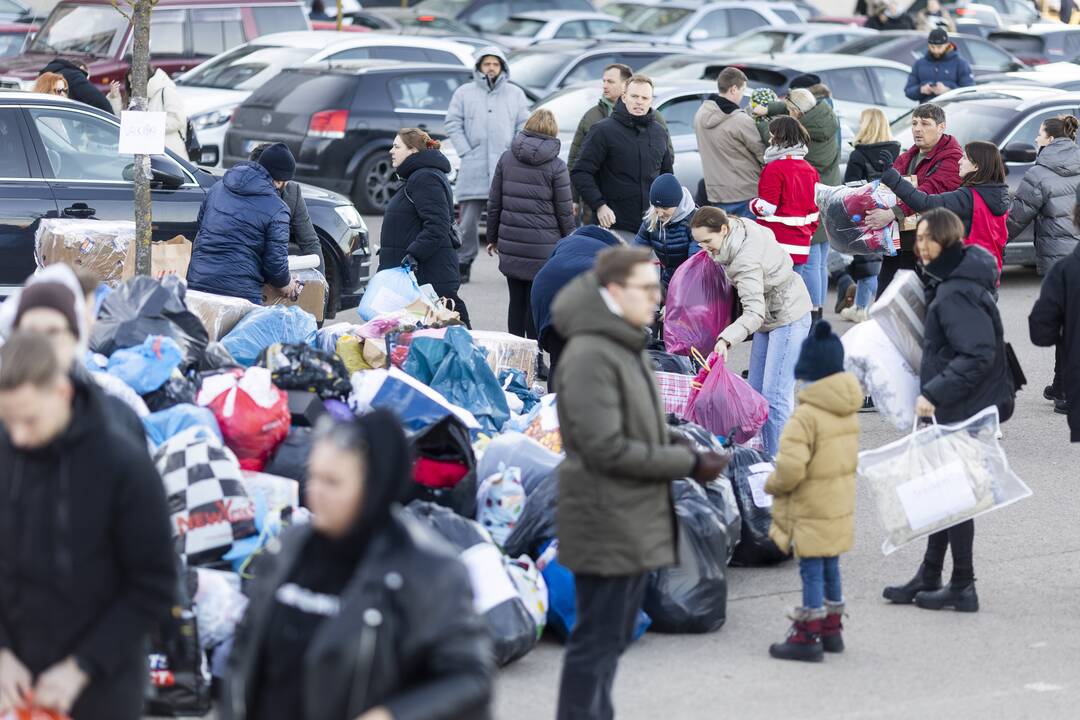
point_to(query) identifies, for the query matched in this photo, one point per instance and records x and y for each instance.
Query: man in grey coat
(301, 230)
(482, 120)
(615, 518)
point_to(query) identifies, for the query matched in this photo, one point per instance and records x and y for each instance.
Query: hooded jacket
(621, 157)
(951, 70)
(865, 163)
(1055, 319)
(530, 208)
(86, 560)
(962, 202)
(771, 293)
(418, 222)
(671, 241)
(823, 126)
(615, 515)
(163, 97)
(482, 120)
(573, 256)
(79, 86)
(813, 487)
(1047, 195)
(243, 238)
(732, 151)
(405, 635)
(964, 368)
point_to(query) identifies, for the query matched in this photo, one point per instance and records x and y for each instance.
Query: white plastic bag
(871, 357)
(938, 477)
(901, 312)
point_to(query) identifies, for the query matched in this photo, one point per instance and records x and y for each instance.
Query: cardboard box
(312, 297)
(170, 257)
(105, 248)
(911, 221)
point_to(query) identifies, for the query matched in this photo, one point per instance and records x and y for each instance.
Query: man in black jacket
(79, 86)
(301, 229)
(620, 158)
(86, 564)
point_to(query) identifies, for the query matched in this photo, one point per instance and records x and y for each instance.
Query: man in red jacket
(934, 160)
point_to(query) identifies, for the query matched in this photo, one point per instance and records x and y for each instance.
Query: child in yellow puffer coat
(813, 491)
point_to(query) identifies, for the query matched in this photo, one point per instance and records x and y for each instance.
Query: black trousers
(903, 260)
(519, 317)
(607, 609)
(553, 344)
(962, 540)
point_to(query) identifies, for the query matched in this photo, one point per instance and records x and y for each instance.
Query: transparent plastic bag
(843, 215)
(388, 291)
(699, 305)
(940, 476)
(901, 312)
(219, 313)
(880, 368)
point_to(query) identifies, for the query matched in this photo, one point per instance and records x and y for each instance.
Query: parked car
(14, 37)
(1038, 44)
(12, 10)
(1010, 118)
(216, 88)
(530, 28)
(183, 33)
(60, 158)
(340, 119)
(1010, 11)
(407, 21)
(546, 67)
(627, 10)
(907, 46)
(1060, 76)
(704, 25)
(803, 38)
(486, 15)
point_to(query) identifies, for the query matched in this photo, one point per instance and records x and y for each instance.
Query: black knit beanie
(278, 161)
(822, 354)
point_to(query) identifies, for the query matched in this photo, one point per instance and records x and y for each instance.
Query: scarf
(794, 153)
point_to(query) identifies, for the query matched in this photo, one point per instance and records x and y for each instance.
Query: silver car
(525, 29)
(793, 39)
(701, 25)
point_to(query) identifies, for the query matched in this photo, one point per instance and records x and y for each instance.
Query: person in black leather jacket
(363, 614)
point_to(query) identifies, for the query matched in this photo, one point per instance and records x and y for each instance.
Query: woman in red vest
(982, 200)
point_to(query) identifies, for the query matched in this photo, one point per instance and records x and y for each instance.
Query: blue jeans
(772, 373)
(865, 292)
(738, 209)
(815, 273)
(820, 581)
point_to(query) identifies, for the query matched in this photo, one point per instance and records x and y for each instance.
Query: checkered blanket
(208, 505)
(674, 391)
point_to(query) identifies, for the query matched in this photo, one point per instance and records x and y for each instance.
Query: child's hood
(838, 394)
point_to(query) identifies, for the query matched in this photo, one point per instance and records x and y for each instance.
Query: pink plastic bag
(725, 404)
(698, 306)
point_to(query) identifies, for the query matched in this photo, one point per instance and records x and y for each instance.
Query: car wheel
(333, 281)
(375, 184)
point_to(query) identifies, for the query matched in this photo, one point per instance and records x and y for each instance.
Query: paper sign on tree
(142, 133)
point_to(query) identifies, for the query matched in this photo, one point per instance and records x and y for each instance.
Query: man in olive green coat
(616, 521)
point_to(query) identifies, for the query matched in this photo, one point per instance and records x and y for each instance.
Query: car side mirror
(1019, 152)
(1015, 67)
(161, 175)
(698, 34)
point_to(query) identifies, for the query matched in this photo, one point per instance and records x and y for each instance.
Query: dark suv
(59, 158)
(340, 120)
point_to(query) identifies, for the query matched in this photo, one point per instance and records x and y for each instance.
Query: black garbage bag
(746, 469)
(217, 357)
(666, 362)
(691, 596)
(439, 447)
(461, 498)
(298, 366)
(512, 628)
(290, 460)
(179, 674)
(143, 306)
(176, 391)
(720, 491)
(536, 526)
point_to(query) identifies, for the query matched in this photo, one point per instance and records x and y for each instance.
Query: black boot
(1061, 406)
(845, 293)
(1053, 392)
(961, 598)
(926, 580)
(816, 315)
(804, 638)
(465, 269)
(832, 638)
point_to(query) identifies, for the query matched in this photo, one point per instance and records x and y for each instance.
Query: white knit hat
(803, 100)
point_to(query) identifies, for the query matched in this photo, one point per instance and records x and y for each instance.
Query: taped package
(219, 313)
(312, 298)
(104, 248)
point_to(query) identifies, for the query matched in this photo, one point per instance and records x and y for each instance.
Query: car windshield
(964, 120)
(445, 7)
(671, 65)
(536, 69)
(570, 104)
(519, 27)
(245, 68)
(655, 21)
(94, 30)
(11, 43)
(767, 41)
(858, 47)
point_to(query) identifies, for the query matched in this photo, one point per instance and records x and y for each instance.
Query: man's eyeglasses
(649, 288)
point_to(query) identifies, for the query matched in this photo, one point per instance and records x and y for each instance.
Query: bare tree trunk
(140, 67)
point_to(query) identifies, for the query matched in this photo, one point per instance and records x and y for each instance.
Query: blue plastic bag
(388, 291)
(514, 382)
(261, 328)
(562, 595)
(148, 366)
(416, 405)
(457, 368)
(164, 424)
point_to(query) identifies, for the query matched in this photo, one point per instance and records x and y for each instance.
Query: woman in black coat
(530, 209)
(418, 227)
(964, 371)
(363, 614)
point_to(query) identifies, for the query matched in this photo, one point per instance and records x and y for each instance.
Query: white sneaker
(855, 315)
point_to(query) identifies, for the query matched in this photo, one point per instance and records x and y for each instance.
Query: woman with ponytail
(1047, 196)
(418, 227)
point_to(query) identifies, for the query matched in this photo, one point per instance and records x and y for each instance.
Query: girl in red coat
(785, 203)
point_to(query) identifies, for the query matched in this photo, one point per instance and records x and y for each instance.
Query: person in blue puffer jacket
(940, 70)
(666, 227)
(243, 238)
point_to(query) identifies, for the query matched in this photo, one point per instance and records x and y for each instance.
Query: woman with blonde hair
(873, 144)
(530, 209)
(51, 83)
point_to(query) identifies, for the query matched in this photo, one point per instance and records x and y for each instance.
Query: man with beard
(939, 71)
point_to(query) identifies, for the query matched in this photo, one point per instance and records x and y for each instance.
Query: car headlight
(213, 119)
(350, 216)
